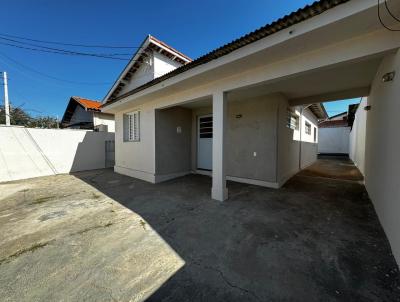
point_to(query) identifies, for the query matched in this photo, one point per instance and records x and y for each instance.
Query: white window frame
(132, 127)
(290, 117)
(307, 128)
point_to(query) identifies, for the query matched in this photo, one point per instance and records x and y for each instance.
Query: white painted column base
(219, 191)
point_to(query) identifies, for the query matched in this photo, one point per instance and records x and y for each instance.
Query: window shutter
(132, 126)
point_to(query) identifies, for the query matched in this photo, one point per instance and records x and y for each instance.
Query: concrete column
(219, 190)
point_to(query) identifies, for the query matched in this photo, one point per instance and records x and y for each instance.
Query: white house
(183, 134)
(82, 113)
(330, 50)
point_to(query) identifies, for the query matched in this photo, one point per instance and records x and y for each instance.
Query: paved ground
(99, 236)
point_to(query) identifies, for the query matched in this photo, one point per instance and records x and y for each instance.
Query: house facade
(327, 51)
(83, 113)
(227, 111)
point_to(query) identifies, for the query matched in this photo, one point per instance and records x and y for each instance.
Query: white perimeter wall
(382, 164)
(334, 140)
(357, 137)
(104, 119)
(27, 152)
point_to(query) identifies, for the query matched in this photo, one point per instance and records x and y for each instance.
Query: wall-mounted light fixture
(238, 116)
(367, 108)
(388, 77)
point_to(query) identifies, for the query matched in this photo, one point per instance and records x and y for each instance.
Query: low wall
(334, 140)
(27, 152)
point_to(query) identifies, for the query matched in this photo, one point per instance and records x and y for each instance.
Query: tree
(20, 117)
(17, 116)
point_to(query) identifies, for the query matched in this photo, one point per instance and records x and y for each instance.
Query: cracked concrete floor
(99, 236)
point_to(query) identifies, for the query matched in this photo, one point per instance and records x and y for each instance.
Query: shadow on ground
(315, 239)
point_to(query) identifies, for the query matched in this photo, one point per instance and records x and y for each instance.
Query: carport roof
(296, 17)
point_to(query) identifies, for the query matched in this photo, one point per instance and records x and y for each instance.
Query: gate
(110, 154)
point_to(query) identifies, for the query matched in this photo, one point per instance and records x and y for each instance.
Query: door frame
(198, 140)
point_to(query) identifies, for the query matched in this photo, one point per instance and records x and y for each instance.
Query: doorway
(204, 142)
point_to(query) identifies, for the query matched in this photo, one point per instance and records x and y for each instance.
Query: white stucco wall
(357, 137)
(144, 74)
(334, 140)
(104, 119)
(163, 64)
(382, 164)
(27, 152)
(154, 66)
(136, 159)
(293, 155)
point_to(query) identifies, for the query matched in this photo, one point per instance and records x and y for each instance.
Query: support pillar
(219, 191)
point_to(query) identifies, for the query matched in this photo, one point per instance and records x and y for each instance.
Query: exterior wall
(155, 66)
(334, 140)
(252, 142)
(357, 137)
(163, 64)
(28, 152)
(144, 74)
(81, 115)
(173, 145)
(100, 118)
(251, 139)
(136, 159)
(296, 149)
(382, 165)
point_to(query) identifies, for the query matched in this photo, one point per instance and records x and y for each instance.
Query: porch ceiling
(350, 79)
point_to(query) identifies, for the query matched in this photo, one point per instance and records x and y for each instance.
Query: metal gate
(110, 154)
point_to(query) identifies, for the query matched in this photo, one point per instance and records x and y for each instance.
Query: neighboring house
(334, 134)
(86, 114)
(227, 111)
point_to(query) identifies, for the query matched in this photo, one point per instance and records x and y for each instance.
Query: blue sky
(193, 27)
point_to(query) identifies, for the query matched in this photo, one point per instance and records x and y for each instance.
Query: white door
(204, 142)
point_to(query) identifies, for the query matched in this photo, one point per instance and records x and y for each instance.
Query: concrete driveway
(99, 236)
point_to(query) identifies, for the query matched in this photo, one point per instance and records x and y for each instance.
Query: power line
(390, 12)
(50, 76)
(70, 44)
(380, 18)
(64, 52)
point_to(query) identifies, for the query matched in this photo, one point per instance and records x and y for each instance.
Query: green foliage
(19, 117)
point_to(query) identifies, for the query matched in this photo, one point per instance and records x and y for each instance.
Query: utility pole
(6, 103)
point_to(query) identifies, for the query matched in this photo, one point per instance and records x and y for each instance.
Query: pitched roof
(88, 104)
(75, 101)
(149, 44)
(318, 109)
(296, 17)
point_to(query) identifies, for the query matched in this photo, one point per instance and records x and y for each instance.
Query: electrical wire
(70, 44)
(63, 53)
(390, 12)
(50, 76)
(65, 50)
(381, 21)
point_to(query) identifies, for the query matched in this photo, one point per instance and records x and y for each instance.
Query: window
(308, 128)
(315, 134)
(292, 120)
(131, 126)
(206, 127)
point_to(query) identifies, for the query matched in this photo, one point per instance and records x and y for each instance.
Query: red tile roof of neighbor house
(88, 104)
(296, 17)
